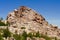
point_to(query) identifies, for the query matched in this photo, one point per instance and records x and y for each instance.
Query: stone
(32, 21)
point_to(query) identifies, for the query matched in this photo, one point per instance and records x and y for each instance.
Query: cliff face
(26, 19)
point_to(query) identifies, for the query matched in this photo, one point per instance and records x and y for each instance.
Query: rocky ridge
(26, 19)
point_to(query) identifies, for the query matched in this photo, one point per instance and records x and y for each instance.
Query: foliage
(6, 33)
(30, 35)
(37, 34)
(2, 24)
(1, 38)
(20, 37)
(55, 38)
(1, 18)
(17, 37)
(45, 37)
(24, 35)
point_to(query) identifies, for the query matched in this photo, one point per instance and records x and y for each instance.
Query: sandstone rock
(29, 38)
(41, 39)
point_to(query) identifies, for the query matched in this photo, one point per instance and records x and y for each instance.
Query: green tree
(2, 24)
(45, 37)
(55, 38)
(30, 35)
(1, 18)
(20, 37)
(6, 33)
(1, 38)
(17, 37)
(24, 36)
(37, 34)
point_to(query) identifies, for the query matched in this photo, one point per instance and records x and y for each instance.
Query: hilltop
(25, 20)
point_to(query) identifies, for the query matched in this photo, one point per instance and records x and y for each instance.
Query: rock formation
(26, 19)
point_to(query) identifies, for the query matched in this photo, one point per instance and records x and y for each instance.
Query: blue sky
(50, 9)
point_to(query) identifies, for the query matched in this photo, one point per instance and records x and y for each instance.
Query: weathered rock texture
(32, 21)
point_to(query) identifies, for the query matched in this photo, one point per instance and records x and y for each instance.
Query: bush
(24, 35)
(45, 37)
(30, 35)
(17, 37)
(55, 38)
(1, 18)
(20, 37)
(37, 34)
(6, 33)
(2, 24)
(23, 38)
(1, 38)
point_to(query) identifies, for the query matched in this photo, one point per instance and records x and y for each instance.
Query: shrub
(45, 37)
(30, 35)
(1, 38)
(6, 33)
(24, 35)
(2, 24)
(55, 38)
(20, 37)
(1, 18)
(17, 37)
(37, 34)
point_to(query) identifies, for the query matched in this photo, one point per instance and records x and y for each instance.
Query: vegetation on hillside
(2, 23)
(31, 35)
(4, 33)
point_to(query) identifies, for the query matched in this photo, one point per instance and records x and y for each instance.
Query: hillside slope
(28, 20)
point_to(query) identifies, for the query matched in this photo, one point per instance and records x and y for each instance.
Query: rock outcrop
(26, 19)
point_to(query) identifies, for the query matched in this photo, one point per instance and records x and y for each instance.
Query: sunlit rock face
(31, 21)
